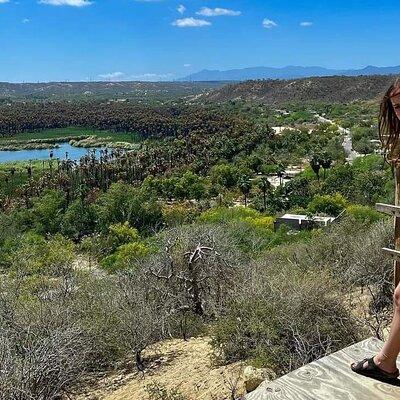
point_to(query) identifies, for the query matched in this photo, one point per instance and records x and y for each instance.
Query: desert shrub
(115, 248)
(95, 310)
(48, 365)
(123, 248)
(261, 222)
(363, 213)
(47, 211)
(364, 266)
(121, 316)
(140, 315)
(122, 233)
(157, 391)
(327, 204)
(299, 299)
(250, 230)
(43, 351)
(32, 254)
(223, 214)
(252, 239)
(179, 214)
(96, 246)
(51, 335)
(126, 256)
(78, 220)
(351, 252)
(9, 228)
(123, 202)
(195, 269)
(186, 324)
(284, 321)
(237, 214)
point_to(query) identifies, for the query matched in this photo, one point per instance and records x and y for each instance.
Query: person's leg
(386, 359)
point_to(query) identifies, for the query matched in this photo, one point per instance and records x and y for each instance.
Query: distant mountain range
(289, 72)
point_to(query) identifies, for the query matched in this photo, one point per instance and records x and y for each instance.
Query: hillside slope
(329, 89)
(176, 364)
(87, 90)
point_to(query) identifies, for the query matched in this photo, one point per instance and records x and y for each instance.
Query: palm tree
(326, 162)
(265, 186)
(315, 164)
(12, 175)
(280, 172)
(245, 186)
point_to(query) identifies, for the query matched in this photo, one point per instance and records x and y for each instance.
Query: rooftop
(316, 218)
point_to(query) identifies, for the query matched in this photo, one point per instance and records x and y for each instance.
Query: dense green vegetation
(58, 134)
(102, 257)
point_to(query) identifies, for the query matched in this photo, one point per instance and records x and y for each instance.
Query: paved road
(347, 144)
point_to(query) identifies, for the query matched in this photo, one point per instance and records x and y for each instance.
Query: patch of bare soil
(175, 364)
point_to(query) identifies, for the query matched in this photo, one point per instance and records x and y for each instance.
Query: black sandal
(373, 371)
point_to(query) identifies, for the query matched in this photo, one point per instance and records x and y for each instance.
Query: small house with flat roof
(300, 222)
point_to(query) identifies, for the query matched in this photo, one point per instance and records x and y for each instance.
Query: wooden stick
(395, 254)
(388, 209)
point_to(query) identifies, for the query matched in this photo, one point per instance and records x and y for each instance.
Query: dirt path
(185, 366)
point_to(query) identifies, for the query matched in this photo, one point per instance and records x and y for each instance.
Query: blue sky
(45, 40)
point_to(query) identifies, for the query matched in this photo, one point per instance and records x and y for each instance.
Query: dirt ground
(175, 364)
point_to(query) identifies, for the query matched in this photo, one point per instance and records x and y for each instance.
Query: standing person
(383, 365)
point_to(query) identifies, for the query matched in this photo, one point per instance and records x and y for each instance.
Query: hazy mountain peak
(288, 72)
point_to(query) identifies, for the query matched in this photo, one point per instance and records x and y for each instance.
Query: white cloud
(112, 75)
(306, 23)
(26, 21)
(150, 77)
(218, 12)
(72, 3)
(187, 65)
(181, 9)
(191, 23)
(268, 23)
(121, 76)
(4, 1)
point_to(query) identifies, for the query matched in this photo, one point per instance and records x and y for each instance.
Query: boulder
(253, 377)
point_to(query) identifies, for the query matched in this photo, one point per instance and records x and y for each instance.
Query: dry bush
(43, 351)
(54, 332)
(352, 252)
(293, 305)
(156, 391)
(140, 317)
(195, 270)
(296, 303)
(284, 321)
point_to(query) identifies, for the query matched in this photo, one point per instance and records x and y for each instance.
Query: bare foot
(385, 365)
